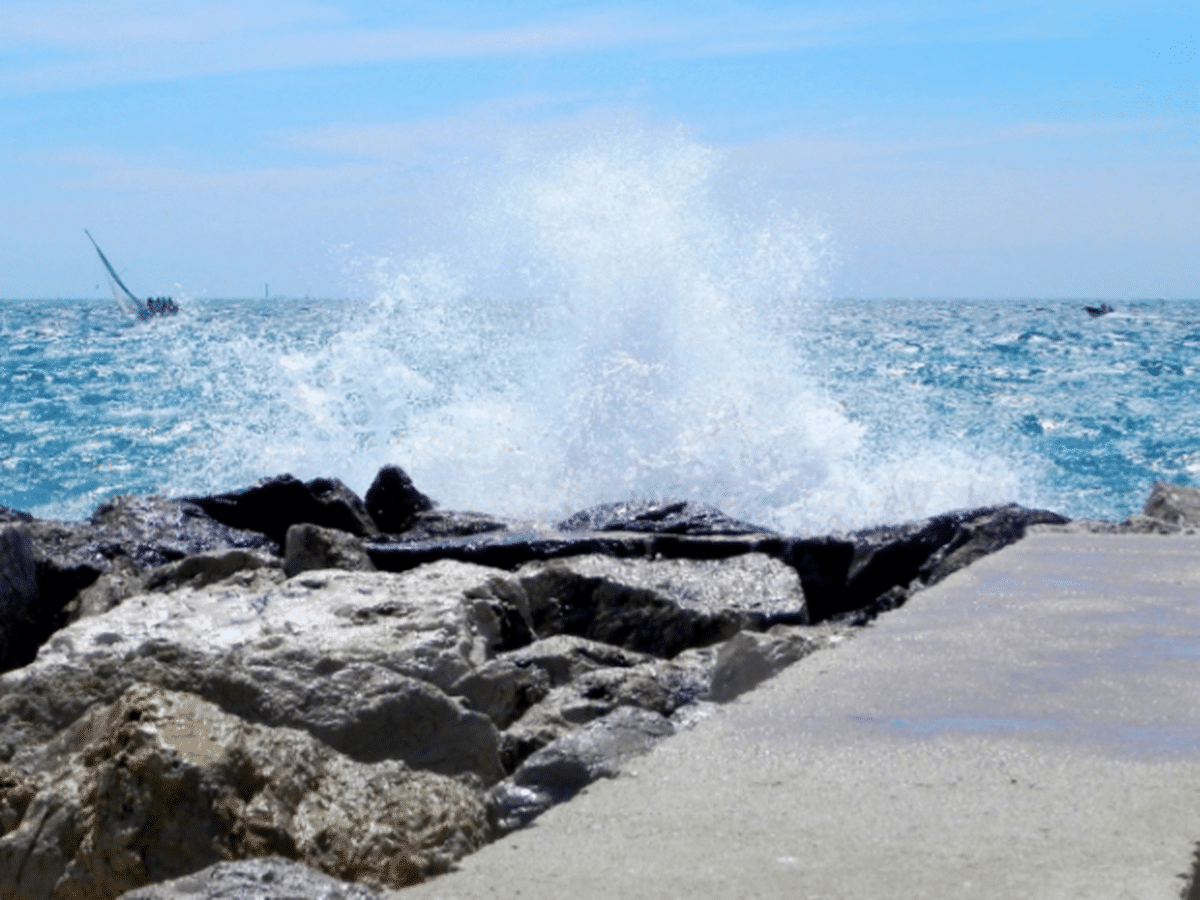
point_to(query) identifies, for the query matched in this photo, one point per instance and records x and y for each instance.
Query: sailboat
(143, 309)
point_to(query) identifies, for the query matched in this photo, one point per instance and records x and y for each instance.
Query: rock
(590, 680)
(558, 772)
(435, 524)
(272, 878)
(128, 534)
(565, 657)
(360, 660)
(660, 607)
(203, 569)
(981, 535)
(1175, 504)
(658, 517)
(502, 690)
(883, 562)
(18, 596)
(273, 505)
(1132, 525)
(124, 580)
(161, 784)
(503, 549)
(749, 658)
(393, 500)
(313, 547)
(152, 531)
(591, 696)
(13, 515)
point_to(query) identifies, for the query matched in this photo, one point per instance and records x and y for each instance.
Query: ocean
(805, 415)
(593, 322)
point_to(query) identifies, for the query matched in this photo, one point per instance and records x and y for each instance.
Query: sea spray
(650, 344)
(604, 327)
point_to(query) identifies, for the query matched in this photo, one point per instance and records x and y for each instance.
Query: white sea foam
(650, 344)
(604, 326)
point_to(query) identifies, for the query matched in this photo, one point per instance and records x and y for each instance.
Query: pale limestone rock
(124, 580)
(272, 878)
(661, 607)
(1175, 504)
(161, 784)
(750, 658)
(359, 659)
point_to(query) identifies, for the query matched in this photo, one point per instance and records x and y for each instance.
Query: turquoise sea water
(806, 416)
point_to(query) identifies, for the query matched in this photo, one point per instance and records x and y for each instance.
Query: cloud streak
(62, 45)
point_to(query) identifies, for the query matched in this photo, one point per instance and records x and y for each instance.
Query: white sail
(124, 296)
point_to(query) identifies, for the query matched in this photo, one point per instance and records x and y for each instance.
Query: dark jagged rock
(313, 547)
(503, 549)
(1174, 504)
(434, 524)
(393, 500)
(658, 517)
(888, 563)
(981, 536)
(273, 505)
(18, 595)
(513, 548)
(13, 515)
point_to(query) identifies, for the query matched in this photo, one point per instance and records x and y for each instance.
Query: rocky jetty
(288, 690)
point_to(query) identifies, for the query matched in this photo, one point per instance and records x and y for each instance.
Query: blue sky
(946, 149)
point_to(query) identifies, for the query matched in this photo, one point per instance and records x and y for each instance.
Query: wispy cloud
(70, 43)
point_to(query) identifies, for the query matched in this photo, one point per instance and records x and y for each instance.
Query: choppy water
(599, 323)
(888, 410)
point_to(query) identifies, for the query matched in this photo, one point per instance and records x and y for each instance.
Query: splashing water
(604, 329)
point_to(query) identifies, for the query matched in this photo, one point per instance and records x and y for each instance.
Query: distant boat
(143, 309)
(1102, 310)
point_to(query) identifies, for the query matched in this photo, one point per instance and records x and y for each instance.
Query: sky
(938, 148)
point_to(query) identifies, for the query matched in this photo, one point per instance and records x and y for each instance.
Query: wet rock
(435, 524)
(1174, 504)
(161, 784)
(1132, 525)
(660, 607)
(18, 596)
(503, 549)
(313, 547)
(273, 505)
(558, 772)
(272, 878)
(982, 535)
(361, 660)
(393, 500)
(659, 517)
(884, 562)
(203, 569)
(152, 531)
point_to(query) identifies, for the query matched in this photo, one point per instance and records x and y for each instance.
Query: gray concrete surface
(1029, 728)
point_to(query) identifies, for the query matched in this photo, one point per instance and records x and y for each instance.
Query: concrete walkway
(1029, 728)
